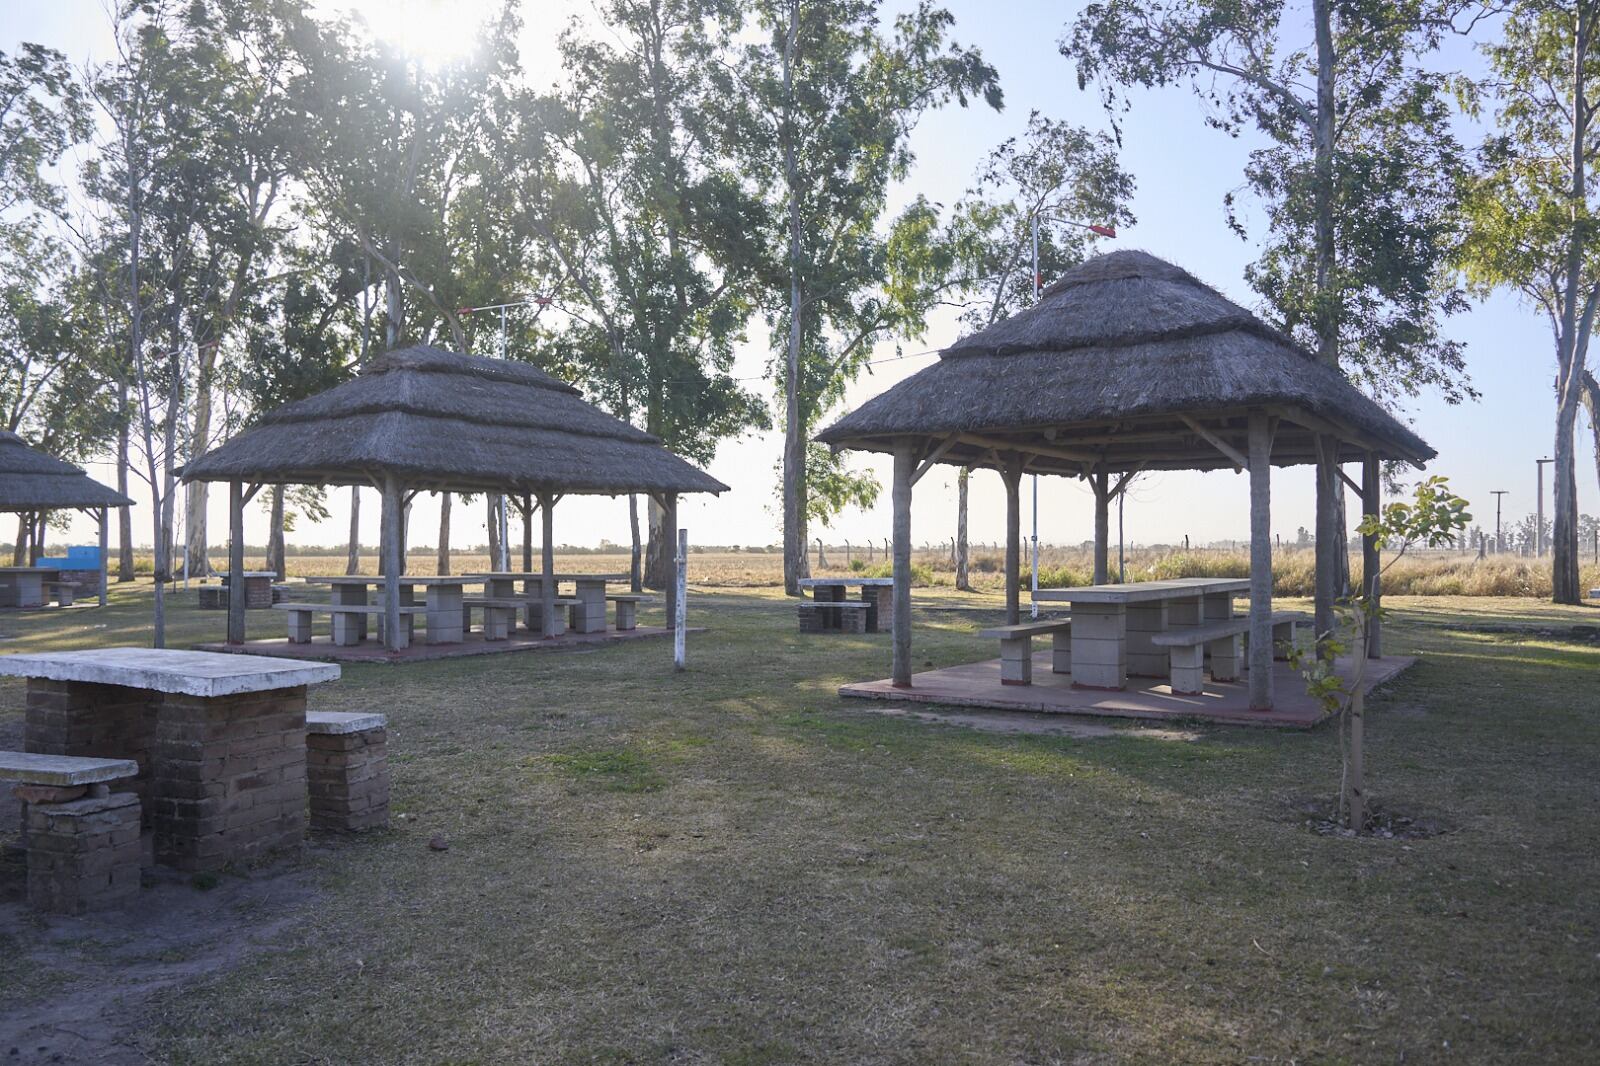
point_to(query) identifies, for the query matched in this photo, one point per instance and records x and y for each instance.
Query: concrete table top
(519, 575)
(191, 673)
(404, 579)
(30, 569)
(335, 723)
(63, 771)
(1141, 591)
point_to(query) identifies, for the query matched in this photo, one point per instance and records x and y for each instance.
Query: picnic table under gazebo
(1128, 364)
(32, 483)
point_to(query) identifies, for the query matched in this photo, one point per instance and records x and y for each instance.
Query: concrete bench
(1594, 594)
(531, 602)
(852, 615)
(1016, 648)
(64, 591)
(346, 625)
(82, 839)
(628, 609)
(1222, 640)
(347, 770)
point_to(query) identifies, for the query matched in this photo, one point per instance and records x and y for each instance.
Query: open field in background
(735, 866)
(1425, 574)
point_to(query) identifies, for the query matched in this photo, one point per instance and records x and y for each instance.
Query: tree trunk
(527, 536)
(194, 512)
(1591, 405)
(275, 534)
(442, 565)
(636, 553)
(963, 557)
(1101, 483)
(1330, 545)
(352, 558)
(1564, 578)
(658, 569)
(19, 551)
(1260, 664)
(1332, 562)
(124, 514)
(494, 532)
(795, 566)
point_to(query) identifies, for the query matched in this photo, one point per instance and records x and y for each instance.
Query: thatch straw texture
(30, 480)
(1104, 369)
(440, 420)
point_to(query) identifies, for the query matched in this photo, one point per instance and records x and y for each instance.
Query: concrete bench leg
(83, 854)
(347, 775)
(1188, 669)
(627, 615)
(1226, 658)
(1061, 652)
(1285, 637)
(494, 623)
(348, 629)
(1016, 662)
(299, 627)
(64, 597)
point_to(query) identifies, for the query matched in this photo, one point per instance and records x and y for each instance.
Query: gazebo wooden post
(1260, 563)
(527, 533)
(547, 587)
(669, 538)
(235, 562)
(1012, 476)
(1100, 481)
(905, 464)
(393, 552)
(1371, 501)
(105, 522)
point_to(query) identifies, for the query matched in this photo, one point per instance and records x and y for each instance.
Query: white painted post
(680, 610)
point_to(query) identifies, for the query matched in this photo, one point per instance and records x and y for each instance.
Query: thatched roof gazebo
(1127, 363)
(31, 482)
(425, 419)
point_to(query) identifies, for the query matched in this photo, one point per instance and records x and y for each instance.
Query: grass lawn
(735, 866)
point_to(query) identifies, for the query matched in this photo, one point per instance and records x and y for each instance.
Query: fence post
(680, 613)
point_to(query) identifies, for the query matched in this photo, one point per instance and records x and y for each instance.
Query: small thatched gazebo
(1127, 363)
(424, 419)
(31, 481)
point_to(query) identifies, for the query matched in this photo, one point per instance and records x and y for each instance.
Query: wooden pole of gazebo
(905, 463)
(393, 547)
(1371, 501)
(1260, 561)
(547, 565)
(1011, 474)
(105, 543)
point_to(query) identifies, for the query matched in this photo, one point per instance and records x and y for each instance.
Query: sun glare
(433, 31)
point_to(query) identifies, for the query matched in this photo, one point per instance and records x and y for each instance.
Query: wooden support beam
(1233, 454)
(1351, 483)
(938, 453)
(1000, 444)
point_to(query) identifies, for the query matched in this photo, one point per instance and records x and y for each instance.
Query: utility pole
(1499, 539)
(1538, 521)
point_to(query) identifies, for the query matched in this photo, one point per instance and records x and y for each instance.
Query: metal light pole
(1038, 290)
(1499, 540)
(1538, 521)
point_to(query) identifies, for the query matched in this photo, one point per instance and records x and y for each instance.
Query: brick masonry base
(84, 854)
(348, 777)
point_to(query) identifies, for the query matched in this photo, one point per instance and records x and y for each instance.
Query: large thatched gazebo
(31, 482)
(1127, 363)
(424, 419)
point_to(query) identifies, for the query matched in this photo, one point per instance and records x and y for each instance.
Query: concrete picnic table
(257, 587)
(23, 586)
(442, 596)
(876, 592)
(220, 739)
(588, 617)
(1113, 625)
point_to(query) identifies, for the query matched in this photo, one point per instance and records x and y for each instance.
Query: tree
(1532, 211)
(828, 103)
(621, 178)
(1359, 179)
(1065, 177)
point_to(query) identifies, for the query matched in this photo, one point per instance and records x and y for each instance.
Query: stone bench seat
(500, 612)
(347, 619)
(1016, 648)
(628, 608)
(81, 839)
(852, 615)
(347, 770)
(1189, 645)
(63, 591)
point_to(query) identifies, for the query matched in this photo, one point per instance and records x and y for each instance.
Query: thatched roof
(1110, 369)
(30, 480)
(441, 420)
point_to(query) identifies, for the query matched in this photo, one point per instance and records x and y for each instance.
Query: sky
(1183, 169)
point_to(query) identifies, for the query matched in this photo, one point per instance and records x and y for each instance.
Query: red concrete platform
(322, 648)
(978, 685)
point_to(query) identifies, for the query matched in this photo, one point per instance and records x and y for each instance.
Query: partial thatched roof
(441, 420)
(30, 480)
(1106, 369)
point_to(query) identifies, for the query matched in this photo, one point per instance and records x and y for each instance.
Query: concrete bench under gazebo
(1127, 363)
(425, 419)
(32, 482)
